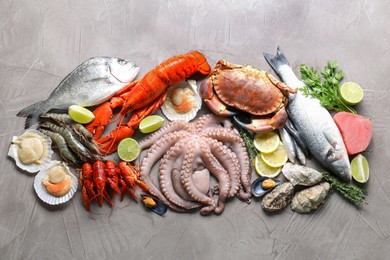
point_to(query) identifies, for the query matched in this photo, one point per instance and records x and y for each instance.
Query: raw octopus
(191, 153)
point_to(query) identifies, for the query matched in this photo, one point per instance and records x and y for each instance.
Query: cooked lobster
(143, 97)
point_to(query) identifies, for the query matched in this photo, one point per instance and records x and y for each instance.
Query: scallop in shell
(56, 184)
(183, 101)
(31, 151)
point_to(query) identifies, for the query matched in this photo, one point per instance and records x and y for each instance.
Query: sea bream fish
(313, 122)
(91, 83)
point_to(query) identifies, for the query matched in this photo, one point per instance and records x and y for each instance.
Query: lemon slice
(150, 124)
(277, 158)
(80, 114)
(264, 170)
(360, 169)
(351, 93)
(128, 149)
(266, 142)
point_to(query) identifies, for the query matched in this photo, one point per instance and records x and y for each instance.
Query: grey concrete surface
(42, 41)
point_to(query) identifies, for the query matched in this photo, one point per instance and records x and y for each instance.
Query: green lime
(266, 142)
(360, 169)
(150, 124)
(80, 114)
(264, 170)
(351, 93)
(128, 149)
(277, 158)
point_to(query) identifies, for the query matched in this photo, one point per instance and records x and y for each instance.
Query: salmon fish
(91, 83)
(313, 122)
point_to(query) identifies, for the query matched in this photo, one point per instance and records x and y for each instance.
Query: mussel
(262, 185)
(154, 204)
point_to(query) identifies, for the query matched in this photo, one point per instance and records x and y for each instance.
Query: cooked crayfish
(143, 97)
(94, 180)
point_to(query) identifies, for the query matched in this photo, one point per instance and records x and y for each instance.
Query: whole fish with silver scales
(91, 83)
(313, 122)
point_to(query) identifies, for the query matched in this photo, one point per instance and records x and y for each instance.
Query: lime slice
(277, 158)
(266, 142)
(351, 93)
(360, 169)
(150, 124)
(128, 149)
(264, 170)
(80, 114)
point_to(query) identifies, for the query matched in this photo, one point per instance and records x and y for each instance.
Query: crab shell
(248, 89)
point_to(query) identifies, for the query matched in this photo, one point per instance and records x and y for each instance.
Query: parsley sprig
(327, 91)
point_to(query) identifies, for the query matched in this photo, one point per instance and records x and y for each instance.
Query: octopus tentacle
(211, 120)
(166, 172)
(154, 154)
(187, 169)
(229, 163)
(224, 182)
(238, 147)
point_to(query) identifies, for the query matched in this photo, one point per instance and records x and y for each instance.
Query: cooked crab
(249, 90)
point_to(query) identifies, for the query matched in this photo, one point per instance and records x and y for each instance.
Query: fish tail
(276, 61)
(32, 113)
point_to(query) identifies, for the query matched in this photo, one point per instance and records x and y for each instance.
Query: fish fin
(32, 113)
(276, 61)
(330, 140)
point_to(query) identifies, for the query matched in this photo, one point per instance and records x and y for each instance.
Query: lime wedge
(277, 158)
(266, 142)
(150, 124)
(80, 114)
(128, 149)
(351, 93)
(360, 169)
(264, 170)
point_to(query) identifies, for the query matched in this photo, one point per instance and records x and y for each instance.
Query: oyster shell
(183, 101)
(301, 175)
(311, 198)
(263, 185)
(53, 177)
(31, 151)
(278, 198)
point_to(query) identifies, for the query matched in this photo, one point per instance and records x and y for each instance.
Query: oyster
(31, 151)
(301, 175)
(311, 198)
(278, 198)
(56, 184)
(183, 101)
(263, 185)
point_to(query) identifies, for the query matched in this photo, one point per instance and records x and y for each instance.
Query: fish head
(337, 162)
(123, 70)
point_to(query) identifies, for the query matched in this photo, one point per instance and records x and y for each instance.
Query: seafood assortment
(313, 122)
(249, 90)
(31, 151)
(278, 198)
(182, 102)
(55, 184)
(96, 179)
(311, 198)
(192, 153)
(143, 97)
(91, 83)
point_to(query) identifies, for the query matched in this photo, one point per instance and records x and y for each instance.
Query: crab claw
(212, 101)
(265, 124)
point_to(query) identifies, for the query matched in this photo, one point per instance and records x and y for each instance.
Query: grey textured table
(42, 41)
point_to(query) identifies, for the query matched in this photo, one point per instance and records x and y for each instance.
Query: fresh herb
(248, 140)
(349, 191)
(327, 92)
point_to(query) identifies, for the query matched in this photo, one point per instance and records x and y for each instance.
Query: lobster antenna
(113, 141)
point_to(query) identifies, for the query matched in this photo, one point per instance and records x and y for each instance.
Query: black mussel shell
(257, 188)
(160, 208)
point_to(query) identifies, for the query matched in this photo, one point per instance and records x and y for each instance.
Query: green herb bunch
(327, 92)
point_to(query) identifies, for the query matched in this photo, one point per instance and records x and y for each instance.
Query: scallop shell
(47, 197)
(31, 168)
(168, 108)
